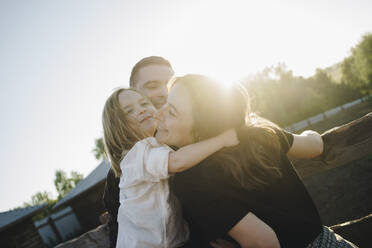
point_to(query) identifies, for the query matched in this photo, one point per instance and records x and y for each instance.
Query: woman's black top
(213, 202)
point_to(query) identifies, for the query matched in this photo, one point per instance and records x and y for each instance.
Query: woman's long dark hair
(217, 108)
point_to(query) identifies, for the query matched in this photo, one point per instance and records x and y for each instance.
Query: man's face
(152, 81)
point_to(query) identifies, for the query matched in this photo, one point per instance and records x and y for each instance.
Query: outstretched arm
(190, 155)
(308, 144)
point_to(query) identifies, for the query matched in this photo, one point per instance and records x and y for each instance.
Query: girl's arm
(308, 144)
(190, 155)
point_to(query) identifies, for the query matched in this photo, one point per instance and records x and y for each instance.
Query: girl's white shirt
(149, 214)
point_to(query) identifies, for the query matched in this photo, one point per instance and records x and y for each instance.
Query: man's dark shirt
(112, 203)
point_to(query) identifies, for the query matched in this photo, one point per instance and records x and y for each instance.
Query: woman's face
(139, 111)
(175, 118)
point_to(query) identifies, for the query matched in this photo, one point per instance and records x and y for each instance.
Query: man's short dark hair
(152, 60)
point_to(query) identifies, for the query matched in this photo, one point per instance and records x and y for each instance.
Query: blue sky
(60, 60)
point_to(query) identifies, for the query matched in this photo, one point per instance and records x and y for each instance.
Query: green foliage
(64, 184)
(283, 98)
(99, 150)
(40, 198)
(357, 68)
(334, 72)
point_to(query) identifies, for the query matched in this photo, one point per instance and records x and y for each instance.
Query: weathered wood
(22, 235)
(96, 238)
(342, 145)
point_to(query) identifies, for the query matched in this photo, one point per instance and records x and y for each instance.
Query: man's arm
(190, 155)
(308, 144)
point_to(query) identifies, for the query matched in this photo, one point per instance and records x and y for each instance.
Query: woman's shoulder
(266, 134)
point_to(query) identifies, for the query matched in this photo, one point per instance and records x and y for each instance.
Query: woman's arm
(254, 233)
(190, 155)
(308, 144)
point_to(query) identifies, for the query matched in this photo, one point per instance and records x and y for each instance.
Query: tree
(64, 184)
(357, 69)
(278, 95)
(363, 59)
(99, 150)
(40, 198)
(350, 73)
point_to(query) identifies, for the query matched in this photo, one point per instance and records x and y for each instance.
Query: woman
(250, 192)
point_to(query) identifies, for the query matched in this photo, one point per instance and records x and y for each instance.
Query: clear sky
(60, 60)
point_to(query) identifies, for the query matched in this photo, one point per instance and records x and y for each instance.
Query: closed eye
(152, 85)
(172, 110)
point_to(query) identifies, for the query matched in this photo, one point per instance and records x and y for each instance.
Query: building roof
(96, 176)
(15, 216)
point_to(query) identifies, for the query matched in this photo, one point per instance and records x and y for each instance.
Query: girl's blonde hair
(119, 136)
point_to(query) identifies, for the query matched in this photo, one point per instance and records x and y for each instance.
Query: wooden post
(55, 230)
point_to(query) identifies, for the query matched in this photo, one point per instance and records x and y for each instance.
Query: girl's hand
(221, 243)
(229, 138)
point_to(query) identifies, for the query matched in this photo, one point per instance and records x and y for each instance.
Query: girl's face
(140, 111)
(176, 118)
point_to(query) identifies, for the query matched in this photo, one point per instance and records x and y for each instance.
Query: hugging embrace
(195, 168)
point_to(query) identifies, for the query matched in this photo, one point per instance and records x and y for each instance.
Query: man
(150, 76)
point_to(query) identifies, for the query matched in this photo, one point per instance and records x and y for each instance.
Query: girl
(149, 215)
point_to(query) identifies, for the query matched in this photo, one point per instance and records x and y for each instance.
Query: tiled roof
(96, 176)
(15, 216)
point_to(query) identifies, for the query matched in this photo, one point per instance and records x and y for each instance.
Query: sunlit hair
(152, 60)
(118, 134)
(254, 162)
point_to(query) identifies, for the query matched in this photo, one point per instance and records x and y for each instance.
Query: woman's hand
(221, 243)
(229, 138)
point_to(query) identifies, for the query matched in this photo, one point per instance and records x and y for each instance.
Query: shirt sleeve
(156, 162)
(285, 139)
(145, 163)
